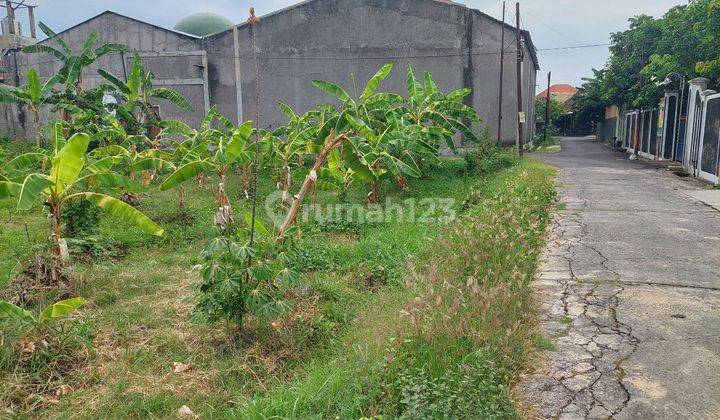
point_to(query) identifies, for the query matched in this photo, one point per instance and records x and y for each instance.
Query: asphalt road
(629, 287)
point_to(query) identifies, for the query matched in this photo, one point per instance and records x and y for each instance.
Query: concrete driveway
(629, 287)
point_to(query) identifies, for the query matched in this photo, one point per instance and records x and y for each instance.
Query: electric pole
(521, 114)
(502, 74)
(547, 109)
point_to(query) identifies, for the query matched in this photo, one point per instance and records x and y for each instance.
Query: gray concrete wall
(113, 28)
(316, 39)
(331, 39)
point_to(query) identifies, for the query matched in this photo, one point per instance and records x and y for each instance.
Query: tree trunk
(402, 183)
(181, 197)
(331, 142)
(36, 117)
(287, 184)
(59, 247)
(223, 217)
(245, 177)
(373, 194)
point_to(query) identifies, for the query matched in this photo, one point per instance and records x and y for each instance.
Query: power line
(227, 57)
(574, 47)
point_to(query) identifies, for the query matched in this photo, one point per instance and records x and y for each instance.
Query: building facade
(315, 39)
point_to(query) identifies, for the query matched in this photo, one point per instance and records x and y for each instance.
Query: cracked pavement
(629, 291)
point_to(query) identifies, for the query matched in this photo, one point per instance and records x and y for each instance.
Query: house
(562, 93)
(314, 39)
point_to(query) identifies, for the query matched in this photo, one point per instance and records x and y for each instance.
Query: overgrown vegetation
(342, 266)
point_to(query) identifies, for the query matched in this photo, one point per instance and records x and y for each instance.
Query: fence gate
(631, 130)
(670, 118)
(709, 149)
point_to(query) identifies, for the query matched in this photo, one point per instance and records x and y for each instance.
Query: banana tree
(217, 157)
(291, 142)
(73, 63)
(69, 179)
(137, 93)
(437, 117)
(375, 148)
(32, 96)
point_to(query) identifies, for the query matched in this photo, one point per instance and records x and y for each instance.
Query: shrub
(43, 352)
(239, 278)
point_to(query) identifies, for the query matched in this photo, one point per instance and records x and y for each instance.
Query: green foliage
(557, 110)
(684, 41)
(81, 219)
(487, 156)
(240, 279)
(57, 310)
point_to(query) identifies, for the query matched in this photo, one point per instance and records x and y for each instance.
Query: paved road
(630, 292)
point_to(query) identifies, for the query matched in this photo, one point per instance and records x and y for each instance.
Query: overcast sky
(552, 23)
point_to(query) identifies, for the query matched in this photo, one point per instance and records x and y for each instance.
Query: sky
(552, 23)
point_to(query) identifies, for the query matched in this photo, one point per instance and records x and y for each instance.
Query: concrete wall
(316, 39)
(114, 28)
(331, 39)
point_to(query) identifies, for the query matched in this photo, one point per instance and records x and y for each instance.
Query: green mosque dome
(202, 24)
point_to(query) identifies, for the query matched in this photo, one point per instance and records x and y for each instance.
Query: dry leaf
(185, 412)
(27, 345)
(178, 367)
(63, 390)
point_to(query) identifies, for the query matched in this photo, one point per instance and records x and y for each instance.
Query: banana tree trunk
(331, 143)
(287, 184)
(59, 245)
(402, 183)
(245, 177)
(181, 197)
(36, 118)
(223, 217)
(373, 194)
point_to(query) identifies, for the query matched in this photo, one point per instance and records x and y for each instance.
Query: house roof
(110, 12)
(562, 88)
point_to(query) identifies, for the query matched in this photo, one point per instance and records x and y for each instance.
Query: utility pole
(502, 74)
(10, 17)
(521, 116)
(547, 109)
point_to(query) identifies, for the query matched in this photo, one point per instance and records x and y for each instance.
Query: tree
(33, 96)
(557, 110)
(214, 151)
(137, 92)
(73, 63)
(67, 181)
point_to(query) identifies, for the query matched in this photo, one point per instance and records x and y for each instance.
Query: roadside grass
(344, 349)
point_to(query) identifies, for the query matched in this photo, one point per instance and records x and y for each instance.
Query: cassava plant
(241, 278)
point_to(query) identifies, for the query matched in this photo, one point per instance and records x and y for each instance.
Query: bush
(81, 218)
(41, 356)
(488, 157)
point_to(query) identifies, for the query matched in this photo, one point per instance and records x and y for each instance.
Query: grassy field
(399, 319)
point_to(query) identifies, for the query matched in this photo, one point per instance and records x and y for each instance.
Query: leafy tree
(137, 93)
(213, 151)
(73, 63)
(557, 110)
(67, 181)
(33, 96)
